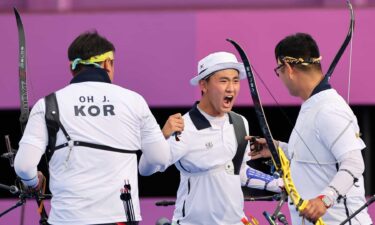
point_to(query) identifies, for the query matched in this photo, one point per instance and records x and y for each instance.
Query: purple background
(74, 5)
(150, 212)
(157, 50)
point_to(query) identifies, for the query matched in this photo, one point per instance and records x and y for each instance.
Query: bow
(24, 101)
(281, 162)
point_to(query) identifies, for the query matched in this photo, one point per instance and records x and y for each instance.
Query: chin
(226, 110)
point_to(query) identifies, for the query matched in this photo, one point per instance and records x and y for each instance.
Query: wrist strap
(340, 196)
(247, 182)
(265, 185)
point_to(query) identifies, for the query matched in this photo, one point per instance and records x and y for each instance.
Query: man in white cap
(211, 163)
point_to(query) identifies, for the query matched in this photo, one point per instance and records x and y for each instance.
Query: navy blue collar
(200, 122)
(91, 74)
(322, 86)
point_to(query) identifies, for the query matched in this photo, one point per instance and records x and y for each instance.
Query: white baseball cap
(215, 62)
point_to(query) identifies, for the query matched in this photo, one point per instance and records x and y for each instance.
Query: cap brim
(222, 66)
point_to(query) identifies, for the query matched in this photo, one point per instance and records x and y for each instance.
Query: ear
(203, 85)
(289, 71)
(108, 65)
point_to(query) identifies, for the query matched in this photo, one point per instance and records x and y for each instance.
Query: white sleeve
(36, 129)
(156, 151)
(26, 162)
(159, 156)
(156, 157)
(253, 178)
(351, 167)
(32, 146)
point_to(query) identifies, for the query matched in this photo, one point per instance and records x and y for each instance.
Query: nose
(230, 86)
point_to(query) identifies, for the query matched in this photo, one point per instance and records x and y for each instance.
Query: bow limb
(332, 66)
(24, 103)
(258, 107)
(282, 165)
(351, 50)
(344, 45)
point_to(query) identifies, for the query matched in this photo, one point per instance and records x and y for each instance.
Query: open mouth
(228, 99)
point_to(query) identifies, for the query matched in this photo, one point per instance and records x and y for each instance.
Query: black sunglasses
(278, 67)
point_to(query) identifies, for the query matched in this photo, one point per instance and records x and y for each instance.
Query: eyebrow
(228, 78)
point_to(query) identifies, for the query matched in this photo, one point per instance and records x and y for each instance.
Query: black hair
(88, 44)
(299, 45)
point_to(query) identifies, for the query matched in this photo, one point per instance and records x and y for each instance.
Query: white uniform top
(209, 192)
(329, 128)
(86, 182)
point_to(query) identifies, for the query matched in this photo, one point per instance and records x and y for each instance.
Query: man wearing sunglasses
(325, 145)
